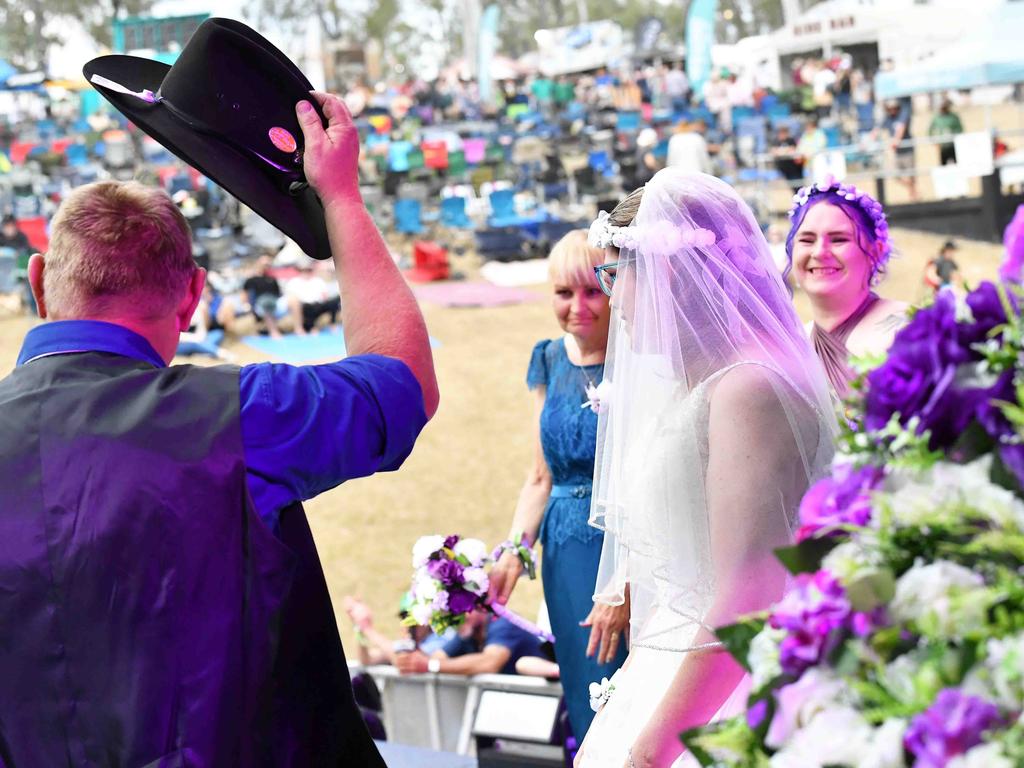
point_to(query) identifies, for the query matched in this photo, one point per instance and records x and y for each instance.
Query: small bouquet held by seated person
(450, 581)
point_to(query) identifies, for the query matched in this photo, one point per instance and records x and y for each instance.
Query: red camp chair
(435, 154)
(35, 230)
(430, 262)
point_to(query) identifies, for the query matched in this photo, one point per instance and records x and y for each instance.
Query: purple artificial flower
(1012, 456)
(950, 726)
(842, 499)
(918, 377)
(812, 612)
(987, 310)
(461, 601)
(448, 572)
(757, 713)
(1012, 268)
(451, 541)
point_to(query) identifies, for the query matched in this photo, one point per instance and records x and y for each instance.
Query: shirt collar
(65, 337)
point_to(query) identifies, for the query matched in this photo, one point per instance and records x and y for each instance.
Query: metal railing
(438, 711)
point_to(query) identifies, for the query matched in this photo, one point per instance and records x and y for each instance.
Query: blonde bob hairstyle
(572, 260)
(117, 247)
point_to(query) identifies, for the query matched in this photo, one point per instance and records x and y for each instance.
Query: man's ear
(36, 266)
(189, 302)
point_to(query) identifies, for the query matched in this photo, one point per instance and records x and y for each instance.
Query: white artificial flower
(942, 597)
(763, 656)
(851, 559)
(837, 736)
(473, 550)
(422, 613)
(898, 676)
(886, 747)
(982, 756)
(600, 693)
(939, 495)
(1001, 676)
(440, 601)
(424, 547)
(425, 587)
(798, 703)
(476, 580)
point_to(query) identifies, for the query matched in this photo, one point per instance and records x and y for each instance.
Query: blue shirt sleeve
(457, 646)
(519, 642)
(307, 429)
(537, 374)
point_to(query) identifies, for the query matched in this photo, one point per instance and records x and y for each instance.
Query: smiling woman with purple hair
(838, 248)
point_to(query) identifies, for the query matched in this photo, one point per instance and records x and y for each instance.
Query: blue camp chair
(627, 122)
(453, 213)
(600, 161)
(408, 216)
(503, 208)
(501, 244)
(77, 154)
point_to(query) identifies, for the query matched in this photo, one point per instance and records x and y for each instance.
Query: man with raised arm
(161, 598)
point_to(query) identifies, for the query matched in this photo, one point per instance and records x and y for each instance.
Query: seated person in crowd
(268, 305)
(200, 339)
(13, 238)
(787, 161)
(942, 271)
(377, 648)
(310, 297)
(483, 645)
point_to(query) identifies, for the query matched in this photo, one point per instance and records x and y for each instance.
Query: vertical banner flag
(486, 47)
(700, 36)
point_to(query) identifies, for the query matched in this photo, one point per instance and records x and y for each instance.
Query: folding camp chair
(408, 216)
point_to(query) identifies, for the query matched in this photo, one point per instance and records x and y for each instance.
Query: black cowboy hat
(227, 108)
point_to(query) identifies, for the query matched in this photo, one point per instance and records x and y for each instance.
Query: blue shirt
(501, 632)
(305, 429)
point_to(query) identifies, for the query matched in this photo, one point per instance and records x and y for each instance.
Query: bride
(715, 419)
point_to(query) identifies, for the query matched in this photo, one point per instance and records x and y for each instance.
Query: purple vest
(147, 616)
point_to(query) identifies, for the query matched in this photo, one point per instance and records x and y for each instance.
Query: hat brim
(300, 216)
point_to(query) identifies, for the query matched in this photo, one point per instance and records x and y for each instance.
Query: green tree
(28, 28)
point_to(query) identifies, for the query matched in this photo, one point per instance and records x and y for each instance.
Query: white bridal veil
(696, 294)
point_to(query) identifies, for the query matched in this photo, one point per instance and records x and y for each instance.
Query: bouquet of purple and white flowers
(450, 580)
(901, 641)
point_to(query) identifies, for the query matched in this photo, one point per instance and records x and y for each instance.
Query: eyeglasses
(606, 274)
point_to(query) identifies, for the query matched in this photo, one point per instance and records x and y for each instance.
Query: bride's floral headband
(662, 237)
(871, 207)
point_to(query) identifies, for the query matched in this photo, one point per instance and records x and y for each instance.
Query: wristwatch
(433, 666)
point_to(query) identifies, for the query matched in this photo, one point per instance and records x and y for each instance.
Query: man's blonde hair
(117, 247)
(572, 260)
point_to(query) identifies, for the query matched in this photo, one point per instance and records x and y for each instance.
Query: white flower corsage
(600, 693)
(598, 397)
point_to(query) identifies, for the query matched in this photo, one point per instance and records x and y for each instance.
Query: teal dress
(571, 547)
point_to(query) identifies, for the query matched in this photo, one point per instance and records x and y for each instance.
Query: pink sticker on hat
(282, 139)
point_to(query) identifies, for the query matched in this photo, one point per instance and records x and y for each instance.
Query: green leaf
(737, 638)
(806, 556)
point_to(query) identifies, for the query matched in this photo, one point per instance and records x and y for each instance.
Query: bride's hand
(503, 577)
(654, 748)
(608, 625)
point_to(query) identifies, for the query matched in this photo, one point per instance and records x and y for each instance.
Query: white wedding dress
(669, 466)
(698, 308)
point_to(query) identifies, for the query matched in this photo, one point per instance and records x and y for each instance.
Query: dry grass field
(465, 473)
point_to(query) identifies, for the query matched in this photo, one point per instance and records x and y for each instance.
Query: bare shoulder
(889, 314)
(746, 392)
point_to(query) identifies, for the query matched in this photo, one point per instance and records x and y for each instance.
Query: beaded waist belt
(570, 491)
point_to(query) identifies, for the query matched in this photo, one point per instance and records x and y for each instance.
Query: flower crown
(862, 200)
(663, 235)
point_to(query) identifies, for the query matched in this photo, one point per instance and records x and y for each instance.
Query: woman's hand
(608, 625)
(655, 747)
(503, 576)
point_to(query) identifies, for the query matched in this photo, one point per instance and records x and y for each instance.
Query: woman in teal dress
(554, 503)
